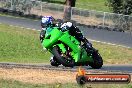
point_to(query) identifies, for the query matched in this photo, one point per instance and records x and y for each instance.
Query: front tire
(61, 59)
(97, 61)
(54, 62)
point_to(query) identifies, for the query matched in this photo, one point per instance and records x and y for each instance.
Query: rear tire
(97, 61)
(64, 61)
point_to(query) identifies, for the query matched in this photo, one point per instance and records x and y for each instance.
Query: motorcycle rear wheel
(64, 61)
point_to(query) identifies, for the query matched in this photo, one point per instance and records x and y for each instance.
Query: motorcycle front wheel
(67, 62)
(97, 61)
(54, 62)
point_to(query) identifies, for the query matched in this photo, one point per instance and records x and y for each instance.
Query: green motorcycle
(68, 51)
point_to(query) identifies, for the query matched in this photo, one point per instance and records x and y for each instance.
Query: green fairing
(50, 40)
(55, 37)
(62, 47)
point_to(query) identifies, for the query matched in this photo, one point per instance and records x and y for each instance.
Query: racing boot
(88, 46)
(42, 35)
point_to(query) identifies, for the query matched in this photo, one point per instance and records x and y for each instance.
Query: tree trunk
(68, 9)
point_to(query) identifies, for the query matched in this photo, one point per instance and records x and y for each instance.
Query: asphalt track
(104, 69)
(118, 38)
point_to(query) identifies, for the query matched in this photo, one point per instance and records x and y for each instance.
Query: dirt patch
(38, 76)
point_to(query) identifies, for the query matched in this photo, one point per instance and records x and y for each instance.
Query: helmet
(46, 20)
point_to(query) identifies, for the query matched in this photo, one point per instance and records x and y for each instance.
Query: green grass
(17, 84)
(23, 46)
(99, 5)
(114, 54)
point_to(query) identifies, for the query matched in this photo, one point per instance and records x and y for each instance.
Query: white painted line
(29, 28)
(88, 39)
(11, 25)
(108, 43)
(22, 27)
(19, 17)
(38, 30)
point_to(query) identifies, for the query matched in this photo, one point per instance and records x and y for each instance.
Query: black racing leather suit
(74, 31)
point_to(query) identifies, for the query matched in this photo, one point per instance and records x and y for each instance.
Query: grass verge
(23, 46)
(99, 5)
(114, 54)
(17, 84)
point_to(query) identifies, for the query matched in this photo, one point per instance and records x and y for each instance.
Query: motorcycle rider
(48, 21)
(74, 31)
